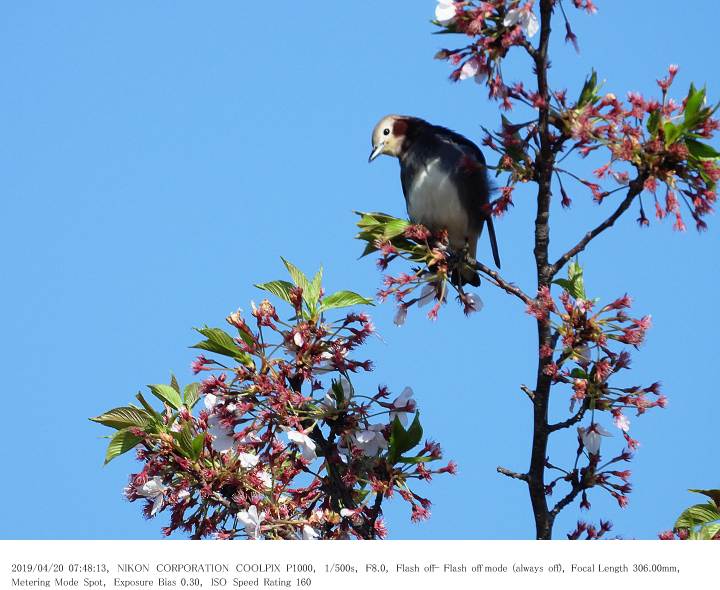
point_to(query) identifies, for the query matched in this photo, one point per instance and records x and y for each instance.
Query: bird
(444, 181)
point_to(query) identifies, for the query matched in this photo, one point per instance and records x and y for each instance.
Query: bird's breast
(434, 201)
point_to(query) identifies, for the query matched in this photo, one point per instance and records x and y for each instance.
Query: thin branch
(572, 494)
(502, 283)
(570, 421)
(527, 391)
(512, 474)
(636, 187)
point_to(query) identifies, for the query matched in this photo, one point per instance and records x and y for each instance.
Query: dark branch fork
(635, 188)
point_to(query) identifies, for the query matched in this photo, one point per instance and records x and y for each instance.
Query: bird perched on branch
(444, 180)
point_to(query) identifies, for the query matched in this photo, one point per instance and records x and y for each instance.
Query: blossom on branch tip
(590, 437)
(524, 17)
(154, 490)
(222, 439)
(251, 520)
(621, 421)
(402, 405)
(248, 460)
(370, 440)
(445, 12)
(304, 443)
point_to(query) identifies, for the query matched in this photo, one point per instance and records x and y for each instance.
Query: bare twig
(570, 421)
(571, 495)
(527, 391)
(635, 188)
(512, 474)
(502, 283)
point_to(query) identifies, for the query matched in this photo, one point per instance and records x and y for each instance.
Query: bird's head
(388, 136)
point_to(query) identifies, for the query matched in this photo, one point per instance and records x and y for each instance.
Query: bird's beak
(376, 151)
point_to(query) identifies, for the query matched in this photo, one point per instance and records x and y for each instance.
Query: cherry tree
(653, 149)
(277, 441)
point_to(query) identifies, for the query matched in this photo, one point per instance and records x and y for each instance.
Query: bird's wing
(459, 143)
(473, 185)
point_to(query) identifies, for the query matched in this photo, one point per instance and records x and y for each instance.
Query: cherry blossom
(155, 490)
(252, 520)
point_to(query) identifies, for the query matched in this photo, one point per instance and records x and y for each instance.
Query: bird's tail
(493, 241)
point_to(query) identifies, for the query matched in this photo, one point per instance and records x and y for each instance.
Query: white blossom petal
(248, 460)
(304, 443)
(445, 12)
(265, 478)
(525, 18)
(309, 533)
(222, 439)
(427, 295)
(252, 520)
(531, 24)
(400, 315)
(210, 401)
(473, 302)
(470, 69)
(622, 422)
(157, 504)
(402, 405)
(511, 17)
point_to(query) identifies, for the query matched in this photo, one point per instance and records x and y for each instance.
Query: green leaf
(191, 395)
(173, 383)
(278, 288)
(184, 440)
(575, 274)
(565, 284)
(653, 121)
(709, 531)
(713, 494)
(297, 275)
(339, 393)
(589, 90)
(701, 151)
(699, 514)
(415, 431)
(197, 446)
(394, 227)
(578, 373)
(314, 288)
(402, 440)
(220, 342)
(344, 299)
(167, 394)
(148, 408)
(672, 133)
(693, 104)
(121, 442)
(414, 460)
(574, 284)
(124, 417)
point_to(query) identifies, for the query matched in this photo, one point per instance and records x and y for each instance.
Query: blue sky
(158, 159)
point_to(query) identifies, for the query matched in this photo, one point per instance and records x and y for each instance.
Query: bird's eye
(386, 131)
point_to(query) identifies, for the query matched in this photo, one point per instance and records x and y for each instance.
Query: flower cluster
(437, 268)
(591, 532)
(497, 26)
(582, 356)
(283, 445)
(664, 140)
